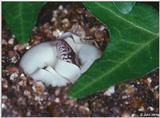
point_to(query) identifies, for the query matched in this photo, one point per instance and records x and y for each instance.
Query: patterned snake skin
(66, 53)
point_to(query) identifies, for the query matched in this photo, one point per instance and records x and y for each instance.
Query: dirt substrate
(22, 96)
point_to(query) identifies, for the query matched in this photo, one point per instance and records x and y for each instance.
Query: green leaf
(131, 53)
(124, 7)
(21, 18)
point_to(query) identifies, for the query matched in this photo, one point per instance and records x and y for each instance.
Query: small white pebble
(4, 97)
(45, 93)
(19, 47)
(3, 106)
(60, 33)
(53, 19)
(149, 80)
(60, 7)
(57, 91)
(124, 97)
(141, 108)
(151, 108)
(22, 75)
(65, 11)
(57, 100)
(37, 98)
(132, 115)
(26, 92)
(110, 91)
(14, 59)
(156, 87)
(27, 46)
(84, 108)
(28, 113)
(55, 33)
(34, 88)
(13, 76)
(102, 28)
(11, 41)
(138, 82)
(87, 109)
(126, 102)
(65, 20)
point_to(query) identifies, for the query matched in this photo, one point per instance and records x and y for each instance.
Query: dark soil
(23, 96)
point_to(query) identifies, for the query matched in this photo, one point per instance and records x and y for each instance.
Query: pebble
(53, 19)
(22, 83)
(14, 59)
(65, 11)
(57, 91)
(65, 20)
(13, 76)
(110, 91)
(132, 115)
(57, 100)
(3, 106)
(138, 82)
(84, 108)
(102, 28)
(38, 87)
(27, 93)
(38, 99)
(11, 41)
(57, 33)
(130, 89)
(60, 7)
(4, 97)
(22, 75)
(19, 47)
(27, 46)
(124, 96)
(5, 84)
(141, 108)
(149, 80)
(156, 87)
(12, 69)
(150, 108)
(28, 113)
(126, 102)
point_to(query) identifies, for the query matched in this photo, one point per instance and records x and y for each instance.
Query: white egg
(43, 63)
